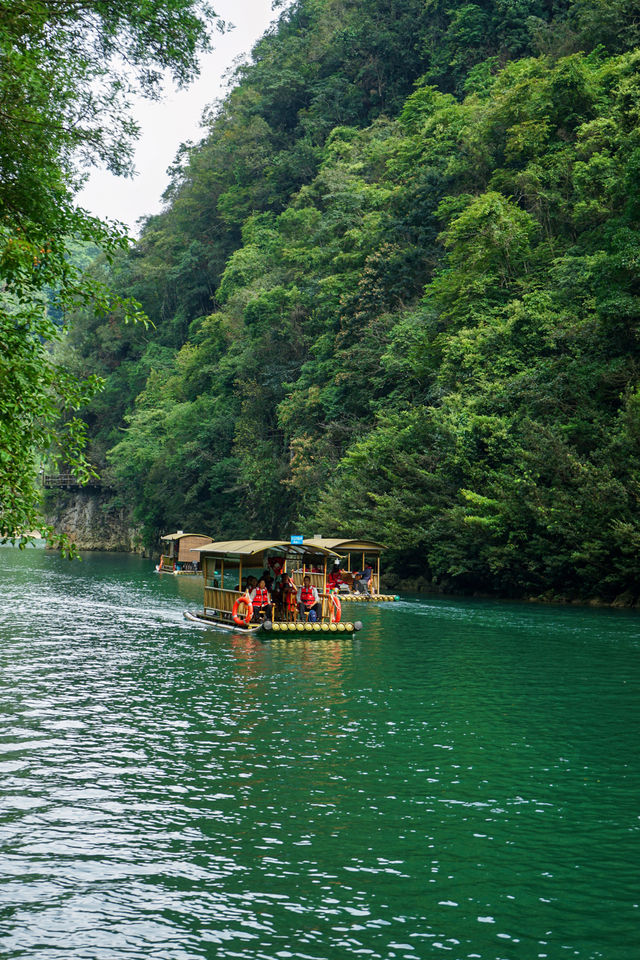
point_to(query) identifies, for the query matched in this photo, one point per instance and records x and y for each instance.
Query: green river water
(461, 779)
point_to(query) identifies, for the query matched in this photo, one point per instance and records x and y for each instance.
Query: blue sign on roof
(297, 539)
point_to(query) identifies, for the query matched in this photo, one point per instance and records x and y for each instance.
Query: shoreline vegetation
(395, 292)
(628, 601)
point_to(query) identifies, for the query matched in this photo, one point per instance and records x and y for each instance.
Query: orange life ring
(234, 613)
(336, 610)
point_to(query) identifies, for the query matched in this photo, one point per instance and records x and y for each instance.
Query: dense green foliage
(395, 293)
(66, 71)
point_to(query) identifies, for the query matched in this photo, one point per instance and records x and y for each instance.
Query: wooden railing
(222, 601)
(60, 480)
(67, 481)
(317, 580)
(217, 599)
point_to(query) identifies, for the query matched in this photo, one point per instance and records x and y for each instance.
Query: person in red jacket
(261, 600)
(309, 601)
(337, 582)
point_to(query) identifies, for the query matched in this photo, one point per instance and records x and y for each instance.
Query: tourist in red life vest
(337, 582)
(309, 601)
(261, 600)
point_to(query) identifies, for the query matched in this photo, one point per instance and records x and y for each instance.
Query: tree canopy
(67, 70)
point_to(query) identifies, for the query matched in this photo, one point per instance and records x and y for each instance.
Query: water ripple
(459, 779)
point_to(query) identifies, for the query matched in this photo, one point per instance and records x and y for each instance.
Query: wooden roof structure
(178, 536)
(181, 545)
(245, 549)
(338, 545)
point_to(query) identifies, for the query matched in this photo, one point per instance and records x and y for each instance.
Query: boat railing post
(324, 589)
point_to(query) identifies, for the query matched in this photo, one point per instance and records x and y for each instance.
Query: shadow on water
(460, 778)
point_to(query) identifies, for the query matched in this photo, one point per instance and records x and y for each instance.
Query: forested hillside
(395, 292)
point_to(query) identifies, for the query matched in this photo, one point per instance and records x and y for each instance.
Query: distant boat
(177, 557)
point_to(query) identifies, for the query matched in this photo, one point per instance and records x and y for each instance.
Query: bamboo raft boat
(177, 557)
(360, 556)
(226, 604)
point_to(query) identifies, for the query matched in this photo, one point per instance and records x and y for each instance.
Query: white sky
(174, 120)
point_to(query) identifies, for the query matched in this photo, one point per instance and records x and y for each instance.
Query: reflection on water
(459, 779)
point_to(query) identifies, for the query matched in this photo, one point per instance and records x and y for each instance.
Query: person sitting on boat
(337, 582)
(261, 600)
(309, 601)
(362, 579)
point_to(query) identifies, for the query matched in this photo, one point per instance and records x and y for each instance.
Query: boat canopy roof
(344, 546)
(251, 548)
(180, 534)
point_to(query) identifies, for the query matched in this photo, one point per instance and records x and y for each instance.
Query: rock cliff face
(91, 521)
